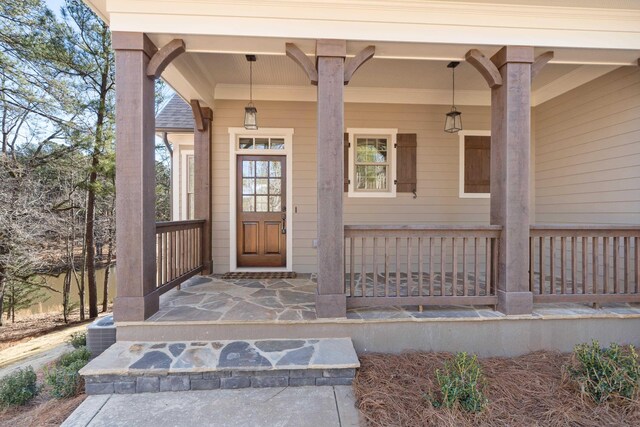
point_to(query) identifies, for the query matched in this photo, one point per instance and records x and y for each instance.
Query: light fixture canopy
(453, 119)
(250, 111)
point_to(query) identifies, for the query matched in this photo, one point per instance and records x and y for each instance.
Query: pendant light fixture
(250, 111)
(453, 121)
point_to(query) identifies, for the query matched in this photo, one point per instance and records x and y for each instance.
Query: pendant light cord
(453, 92)
(251, 83)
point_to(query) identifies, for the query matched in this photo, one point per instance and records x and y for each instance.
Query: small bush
(68, 359)
(63, 378)
(462, 383)
(78, 339)
(605, 374)
(18, 388)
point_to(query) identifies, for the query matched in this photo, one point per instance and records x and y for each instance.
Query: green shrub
(605, 374)
(80, 353)
(63, 378)
(78, 339)
(462, 383)
(18, 387)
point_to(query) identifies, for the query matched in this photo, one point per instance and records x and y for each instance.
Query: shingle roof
(176, 115)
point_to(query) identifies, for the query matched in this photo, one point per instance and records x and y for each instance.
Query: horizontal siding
(587, 156)
(437, 171)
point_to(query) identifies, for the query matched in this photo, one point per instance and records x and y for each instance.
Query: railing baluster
(552, 262)
(531, 263)
(386, 266)
(352, 270)
(421, 266)
(475, 268)
(431, 275)
(443, 285)
(574, 263)
(454, 267)
(543, 279)
(363, 270)
(397, 266)
(563, 255)
(409, 269)
(494, 262)
(585, 242)
(605, 259)
(616, 250)
(594, 254)
(464, 267)
(487, 267)
(627, 248)
(375, 267)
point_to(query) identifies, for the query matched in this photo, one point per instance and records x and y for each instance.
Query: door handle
(284, 223)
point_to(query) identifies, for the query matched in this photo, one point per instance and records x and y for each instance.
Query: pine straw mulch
(394, 390)
(43, 410)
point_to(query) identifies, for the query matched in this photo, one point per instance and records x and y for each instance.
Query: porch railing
(420, 265)
(178, 252)
(584, 263)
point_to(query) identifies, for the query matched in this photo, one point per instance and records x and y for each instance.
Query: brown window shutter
(406, 177)
(477, 160)
(346, 162)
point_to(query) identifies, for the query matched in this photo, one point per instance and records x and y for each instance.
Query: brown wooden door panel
(250, 238)
(261, 211)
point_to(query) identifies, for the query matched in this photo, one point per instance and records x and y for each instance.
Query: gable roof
(175, 116)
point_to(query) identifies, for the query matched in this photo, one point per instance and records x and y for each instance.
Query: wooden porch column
(202, 173)
(510, 159)
(331, 299)
(135, 178)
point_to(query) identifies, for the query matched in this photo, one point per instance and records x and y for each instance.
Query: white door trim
(234, 151)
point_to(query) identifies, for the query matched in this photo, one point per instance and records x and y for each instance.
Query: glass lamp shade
(453, 121)
(250, 117)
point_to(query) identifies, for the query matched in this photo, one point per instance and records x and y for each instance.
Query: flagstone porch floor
(212, 299)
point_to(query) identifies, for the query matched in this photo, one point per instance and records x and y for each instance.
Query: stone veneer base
(147, 367)
(149, 383)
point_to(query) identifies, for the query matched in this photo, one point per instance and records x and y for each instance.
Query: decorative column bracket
(540, 62)
(487, 69)
(164, 56)
(351, 65)
(199, 114)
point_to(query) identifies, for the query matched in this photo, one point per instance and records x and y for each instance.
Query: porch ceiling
(423, 79)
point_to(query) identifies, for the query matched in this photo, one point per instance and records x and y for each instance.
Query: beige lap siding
(588, 152)
(437, 171)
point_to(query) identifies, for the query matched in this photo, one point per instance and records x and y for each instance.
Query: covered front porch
(434, 251)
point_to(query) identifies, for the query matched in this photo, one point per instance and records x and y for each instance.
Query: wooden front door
(261, 211)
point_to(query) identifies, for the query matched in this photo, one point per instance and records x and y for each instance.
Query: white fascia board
(408, 21)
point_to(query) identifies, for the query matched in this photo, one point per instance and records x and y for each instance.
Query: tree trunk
(2, 286)
(91, 197)
(66, 290)
(107, 271)
(89, 242)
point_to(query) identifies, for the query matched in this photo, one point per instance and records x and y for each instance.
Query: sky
(55, 5)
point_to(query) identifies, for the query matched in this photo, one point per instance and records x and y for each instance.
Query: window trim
(392, 135)
(461, 136)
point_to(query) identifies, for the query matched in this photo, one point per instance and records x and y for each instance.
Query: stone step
(143, 367)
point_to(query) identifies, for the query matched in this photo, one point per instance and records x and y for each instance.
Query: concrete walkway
(272, 407)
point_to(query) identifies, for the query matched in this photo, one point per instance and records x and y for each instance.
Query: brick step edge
(149, 383)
